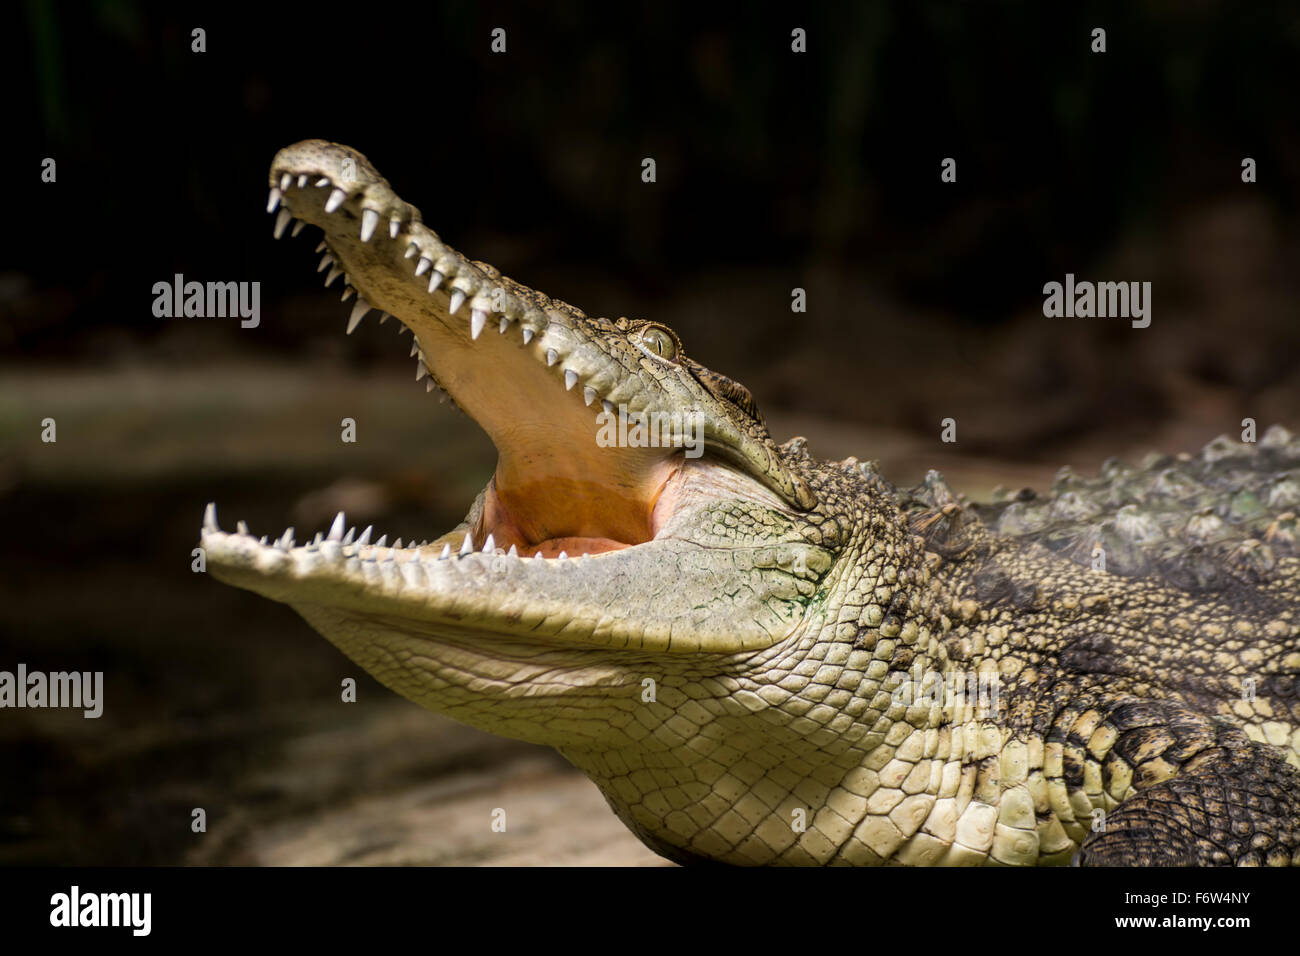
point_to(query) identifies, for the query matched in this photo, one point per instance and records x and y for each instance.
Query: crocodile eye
(659, 342)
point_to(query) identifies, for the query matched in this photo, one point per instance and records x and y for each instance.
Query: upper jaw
(543, 347)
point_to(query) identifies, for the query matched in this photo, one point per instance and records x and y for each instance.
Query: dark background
(775, 170)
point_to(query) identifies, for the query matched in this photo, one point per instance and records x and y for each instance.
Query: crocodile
(760, 657)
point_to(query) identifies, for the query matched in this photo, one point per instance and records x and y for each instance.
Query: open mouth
(599, 424)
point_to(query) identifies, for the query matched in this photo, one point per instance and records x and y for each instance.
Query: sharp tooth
(358, 313)
(588, 394)
(281, 221)
(365, 536)
(420, 371)
(435, 279)
(490, 545)
(210, 517)
(415, 347)
(384, 317)
(383, 540)
(446, 552)
(322, 182)
(286, 181)
(442, 396)
(394, 226)
(369, 222)
(336, 529)
(505, 324)
(274, 200)
(477, 319)
(334, 273)
(347, 538)
(457, 300)
(467, 547)
(398, 544)
(302, 181)
(320, 246)
(429, 386)
(528, 335)
(570, 378)
(348, 291)
(263, 541)
(563, 555)
(335, 200)
(552, 357)
(241, 527)
(423, 266)
(513, 552)
(297, 228)
(606, 404)
(315, 542)
(402, 330)
(325, 260)
(286, 540)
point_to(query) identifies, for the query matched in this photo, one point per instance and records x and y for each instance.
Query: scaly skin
(759, 658)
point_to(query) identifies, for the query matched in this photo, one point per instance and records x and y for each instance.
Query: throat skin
(765, 658)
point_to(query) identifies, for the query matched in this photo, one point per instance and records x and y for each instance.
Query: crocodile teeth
(383, 541)
(210, 517)
(322, 182)
(435, 280)
(297, 228)
(348, 291)
(347, 538)
(423, 266)
(429, 386)
(588, 394)
(325, 260)
(477, 319)
(241, 527)
(274, 200)
(552, 356)
(446, 552)
(420, 371)
(369, 222)
(607, 405)
(281, 221)
(394, 225)
(528, 335)
(320, 246)
(358, 313)
(286, 180)
(467, 547)
(513, 552)
(490, 545)
(505, 324)
(336, 529)
(302, 181)
(334, 273)
(457, 300)
(411, 250)
(286, 540)
(415, 347)
(365, 536)
(335, 200)
(563, 555)
(570, 379)
(384, 317)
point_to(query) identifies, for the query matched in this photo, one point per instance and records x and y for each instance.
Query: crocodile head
(622, 599)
